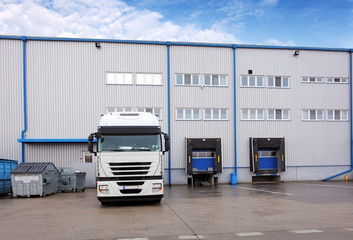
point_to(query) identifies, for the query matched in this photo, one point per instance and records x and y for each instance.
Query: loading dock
(267, 158)
(203, 160)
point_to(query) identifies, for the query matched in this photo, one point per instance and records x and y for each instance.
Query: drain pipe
(168, 72)
(234, 176)
(351, 118)
(24, 39)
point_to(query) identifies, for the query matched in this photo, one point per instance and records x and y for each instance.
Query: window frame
(316, 114)
(211, 80)
(341, 113)
(248, 81)
(339, 78)
(219, 110)
(282, 114)
(124, 74)
(160, 75)
(256, 114)
(274, 82)
(192, 114)
(316, 79)
(191, 79)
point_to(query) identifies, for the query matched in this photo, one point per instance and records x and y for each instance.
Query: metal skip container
(35, 179)
(6, 166)
(71, 180)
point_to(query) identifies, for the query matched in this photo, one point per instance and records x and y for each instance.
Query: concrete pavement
(308, 210)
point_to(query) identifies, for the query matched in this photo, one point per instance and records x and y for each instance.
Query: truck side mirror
(90, 143)
(166, 142)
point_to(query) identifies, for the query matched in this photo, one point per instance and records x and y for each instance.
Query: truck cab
(129, 149)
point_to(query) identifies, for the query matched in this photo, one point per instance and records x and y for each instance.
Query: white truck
(129, 154)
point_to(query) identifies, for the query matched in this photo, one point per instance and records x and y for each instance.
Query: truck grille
(131, 191)
(130, 183)
(130, 168)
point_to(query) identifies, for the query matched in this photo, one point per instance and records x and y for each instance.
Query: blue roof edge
(229, 45)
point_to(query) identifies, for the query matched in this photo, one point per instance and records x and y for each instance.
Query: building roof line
(198, 44)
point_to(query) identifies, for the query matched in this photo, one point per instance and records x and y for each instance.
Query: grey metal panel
(62, 155)
(67, 90)
(201, 60)
(11, 98)
(307, 143)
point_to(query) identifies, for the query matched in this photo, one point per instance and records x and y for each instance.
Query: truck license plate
(130, 187)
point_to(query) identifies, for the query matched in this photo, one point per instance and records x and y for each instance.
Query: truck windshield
(128, 143)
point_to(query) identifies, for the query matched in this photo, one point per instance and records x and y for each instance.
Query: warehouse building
(234, 112)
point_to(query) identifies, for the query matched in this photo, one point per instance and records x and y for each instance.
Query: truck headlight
(103, 188)
(156, 187)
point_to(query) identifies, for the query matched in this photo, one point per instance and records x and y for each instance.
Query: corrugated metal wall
(66, 93)
(62, 154)
(307, 143)
(201, 60)
(67, 90)
(11, 98)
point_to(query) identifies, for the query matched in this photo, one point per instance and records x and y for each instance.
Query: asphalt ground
(293, 210)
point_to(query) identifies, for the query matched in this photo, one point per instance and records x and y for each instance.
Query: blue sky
(311, 23)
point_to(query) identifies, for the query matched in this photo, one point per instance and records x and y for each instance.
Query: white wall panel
(201, 60)
(307, 143)
(62, 155)
(67, 93)
(11, 98)
(66, 84)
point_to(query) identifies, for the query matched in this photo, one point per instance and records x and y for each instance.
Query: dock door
(267, 157)
(203, 159)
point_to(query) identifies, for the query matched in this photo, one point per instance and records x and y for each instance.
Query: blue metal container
(6, 167)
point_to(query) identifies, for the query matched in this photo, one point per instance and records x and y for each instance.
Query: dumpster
(35, 179)
(6, 166)
(71, 180)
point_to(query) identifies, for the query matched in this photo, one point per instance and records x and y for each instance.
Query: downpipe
(351, 116)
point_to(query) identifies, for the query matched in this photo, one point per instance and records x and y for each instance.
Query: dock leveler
(267, 158)
(203, 160)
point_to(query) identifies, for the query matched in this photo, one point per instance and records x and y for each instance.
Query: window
(216, 114)
(337, 115)
(252, 81)
(187, 114)
(148, 79)
(111, 109)
(156, 111)
(215, 80)
(187, 79)
(118, 78)
(312, 79)
(278, 114)
(312, 115)
(252, 114)
(278, 82)
(337, 80)
(129, 143)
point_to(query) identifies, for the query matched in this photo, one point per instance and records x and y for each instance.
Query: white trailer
(129, 157)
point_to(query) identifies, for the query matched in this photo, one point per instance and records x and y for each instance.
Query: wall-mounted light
(98, 44)
(296, 53)
(249, 71)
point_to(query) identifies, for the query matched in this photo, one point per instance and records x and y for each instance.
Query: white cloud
(275, 42)
(98, 19)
